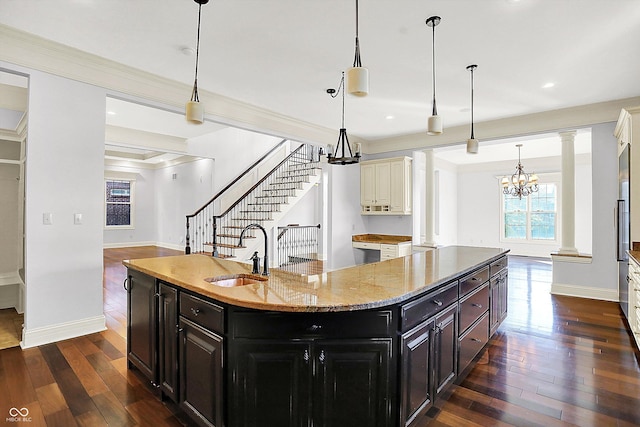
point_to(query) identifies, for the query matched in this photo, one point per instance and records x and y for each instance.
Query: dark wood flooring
(555, 361)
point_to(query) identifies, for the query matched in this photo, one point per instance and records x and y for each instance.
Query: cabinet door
(271, 383)
(383, 184)
(168, 341)
(352, 383)
(367, 184)
(201, 382)
(494, 304)
(445, 345)
(397, 186)
(142, 324)
(504, 295)
(416, 371)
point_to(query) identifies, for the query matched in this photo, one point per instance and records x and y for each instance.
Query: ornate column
(430, 196)
(568, 241)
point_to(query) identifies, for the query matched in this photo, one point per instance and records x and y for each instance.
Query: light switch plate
(47, 218)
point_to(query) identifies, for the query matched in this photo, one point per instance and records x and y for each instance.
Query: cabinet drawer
(473, 280)
(206, 314)
(388, 251)
(426, 306)
(473, 306)
(268, 324)
(499, 265)
(472, 342)
(365, 245)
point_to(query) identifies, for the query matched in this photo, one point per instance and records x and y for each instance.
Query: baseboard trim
(62, 331)
(584, 292)
(9, 279)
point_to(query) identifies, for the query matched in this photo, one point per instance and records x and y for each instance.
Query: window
(533, 217)
(119, 203)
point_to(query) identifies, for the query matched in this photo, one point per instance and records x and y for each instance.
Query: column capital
(568, 136)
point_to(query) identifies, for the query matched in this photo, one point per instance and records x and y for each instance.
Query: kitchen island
(370, 345)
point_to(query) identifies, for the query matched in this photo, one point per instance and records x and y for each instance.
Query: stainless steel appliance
(623, 229)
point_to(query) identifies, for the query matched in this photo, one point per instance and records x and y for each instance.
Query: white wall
(64, 175)
(176, 198)
(597, 279)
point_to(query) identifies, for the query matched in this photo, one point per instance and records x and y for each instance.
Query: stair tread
(234, 236)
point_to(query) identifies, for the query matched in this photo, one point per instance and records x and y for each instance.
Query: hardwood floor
(555, 361)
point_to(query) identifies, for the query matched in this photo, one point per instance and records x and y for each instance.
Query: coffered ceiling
(281, 55)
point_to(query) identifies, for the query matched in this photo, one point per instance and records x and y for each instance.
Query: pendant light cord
(433, 62)
(472, 136)
(342, 86)
(194, 94)
(357, 62)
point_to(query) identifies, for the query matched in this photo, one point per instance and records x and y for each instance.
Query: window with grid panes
(119, 203)
(533, 217)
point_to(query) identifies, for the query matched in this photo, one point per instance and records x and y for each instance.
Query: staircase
(265, 204)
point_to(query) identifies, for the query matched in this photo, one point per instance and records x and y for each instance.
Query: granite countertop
(390, 239)
(353, 288)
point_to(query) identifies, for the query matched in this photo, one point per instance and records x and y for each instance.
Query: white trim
(62, 331)
(127, 245)
(9, 279)
(579, 259)
(584, 292)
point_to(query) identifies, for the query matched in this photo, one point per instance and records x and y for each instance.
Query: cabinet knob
(322, 356)
(476, 305)
(437, 302)
(476, 340)
(195, 311)
(314, 328)
(305, 355)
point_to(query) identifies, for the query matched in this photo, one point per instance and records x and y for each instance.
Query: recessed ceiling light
(548, 85)
(390, 117)
(111, 113)
(186, 50)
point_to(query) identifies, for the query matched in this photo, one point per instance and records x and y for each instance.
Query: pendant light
(343, 145)
(194, 111)
(357, 76)
(472, 142)
(435, 122)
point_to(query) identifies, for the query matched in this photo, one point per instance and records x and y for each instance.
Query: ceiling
(282, 55)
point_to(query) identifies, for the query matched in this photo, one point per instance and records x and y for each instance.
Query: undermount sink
(234, 280)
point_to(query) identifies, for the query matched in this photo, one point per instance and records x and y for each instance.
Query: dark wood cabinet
(445, 349)
(352, 382)
(306, 379)
(416, 376)
(168, 340)
(428, 351)
(201, 374)
(498, 300)
(142, 326)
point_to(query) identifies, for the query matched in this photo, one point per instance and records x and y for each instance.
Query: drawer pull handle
(124, 284)
(476, 305)
(195, 311)
(476, 340)
(314, 328)
(437, 302)
(474, 279)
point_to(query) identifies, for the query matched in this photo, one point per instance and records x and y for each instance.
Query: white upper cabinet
(385, 186)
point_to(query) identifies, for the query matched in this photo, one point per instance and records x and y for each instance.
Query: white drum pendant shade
(434, 125)
(472, 146)
(358, 81)
(194, 112)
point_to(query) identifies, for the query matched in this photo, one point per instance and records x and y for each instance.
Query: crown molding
(116, 135)
(547, 121)
(37, 53)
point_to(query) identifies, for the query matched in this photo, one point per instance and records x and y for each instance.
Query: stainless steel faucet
(265, 268)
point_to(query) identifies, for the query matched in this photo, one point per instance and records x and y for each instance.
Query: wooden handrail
(238, 178)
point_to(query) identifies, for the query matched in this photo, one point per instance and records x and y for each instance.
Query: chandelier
(521, 183)
(339, 156)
